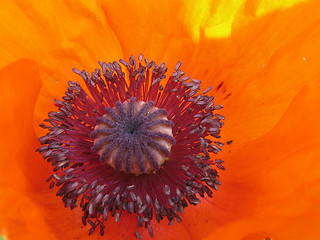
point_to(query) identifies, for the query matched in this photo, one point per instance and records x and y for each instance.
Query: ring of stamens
(133, 137)
(98, 189)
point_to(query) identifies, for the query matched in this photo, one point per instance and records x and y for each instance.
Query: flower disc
(129, 143)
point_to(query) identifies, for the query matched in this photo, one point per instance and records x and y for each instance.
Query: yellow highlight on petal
(267, 6)
(219, 25)
(216, 18)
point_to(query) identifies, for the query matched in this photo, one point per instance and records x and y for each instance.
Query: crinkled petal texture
(266, 74)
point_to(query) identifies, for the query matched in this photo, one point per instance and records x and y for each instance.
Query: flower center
(133, 137)
(131, 118)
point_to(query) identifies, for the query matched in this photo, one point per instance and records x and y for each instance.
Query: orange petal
(272, 185)
(59, 36)
(22, 168)
(20, 85)
(261, 68)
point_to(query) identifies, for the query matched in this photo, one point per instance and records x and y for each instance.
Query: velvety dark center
(132, 127)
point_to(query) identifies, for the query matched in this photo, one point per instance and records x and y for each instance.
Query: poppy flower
(262, 61)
